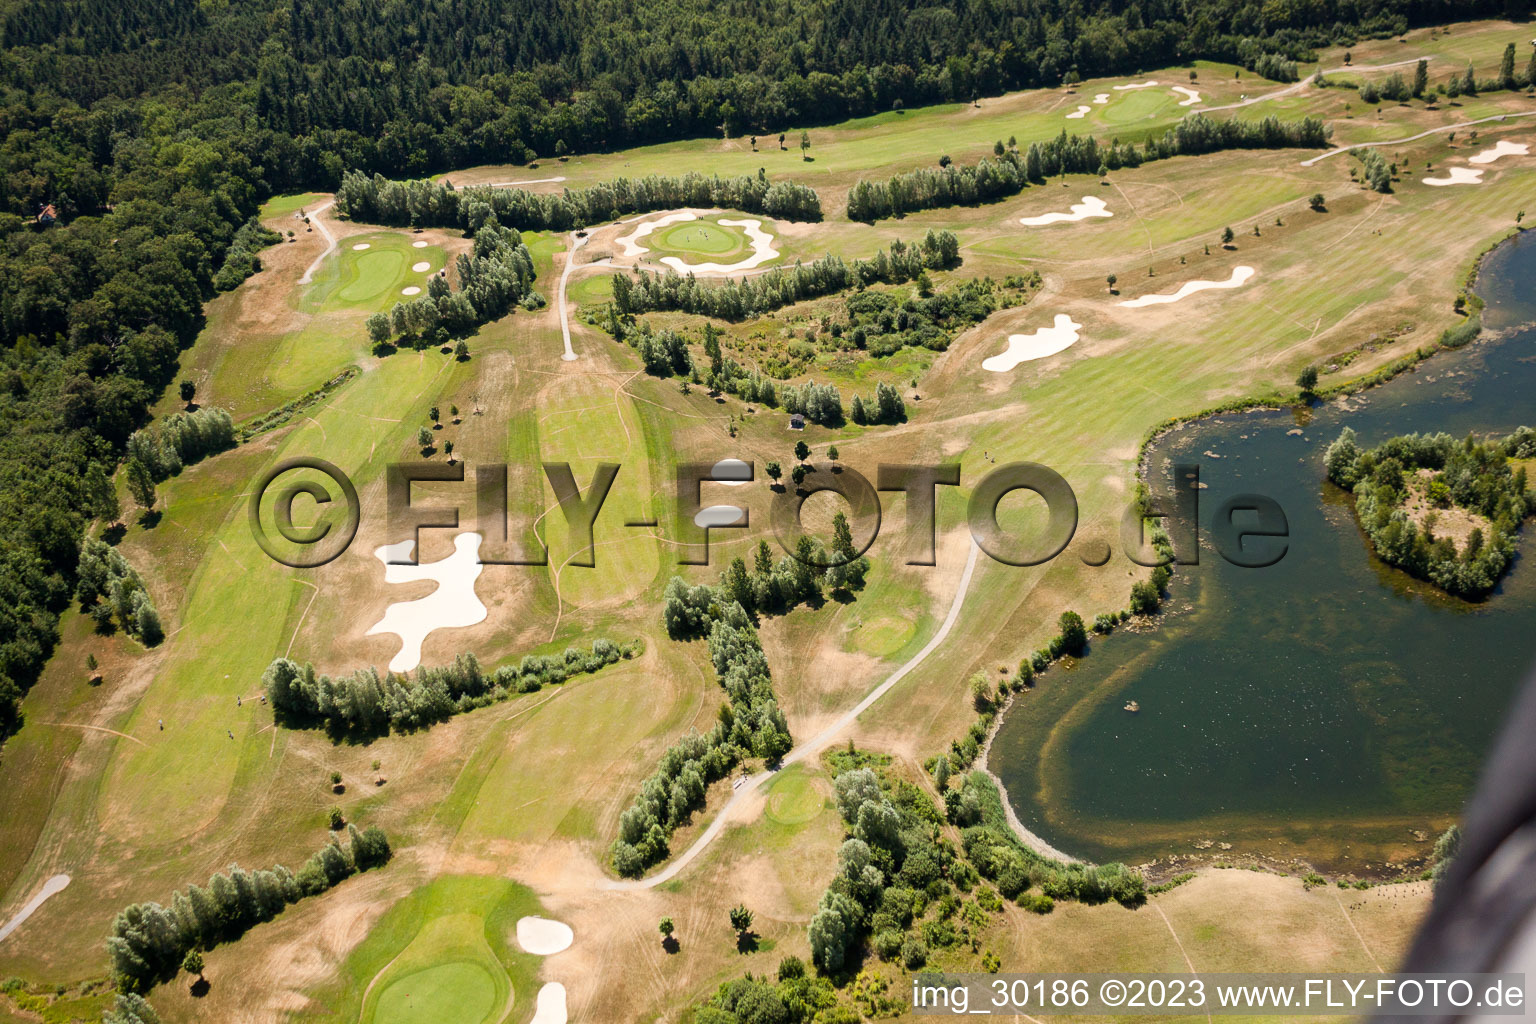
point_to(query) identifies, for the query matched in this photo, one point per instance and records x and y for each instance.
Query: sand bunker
(1504, 148)
(453, 603)
(543, 937)
(1080, 112)
(629, 243)
(718, 515)
(1102, 97)
(412, 290)
(418, 245)
(52, 887)
(1194, 97)
(1240, 276)
(1135, 85)
(422, 267)
(360, 246)
(550, 1008)
(1458, 176)
(731, 472)
(1091, 206)
(1047, 341)
(762, 251)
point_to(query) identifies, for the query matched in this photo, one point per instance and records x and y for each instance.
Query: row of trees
(1009, 172)
(1275, 67)
(113, 592)
(886, 407)
(182, 439)
(495, 277)
(241, 259)
(1471, 475)
(749, 724)
(149, 942)
(425, 203)
(748, 297)
(365, 704)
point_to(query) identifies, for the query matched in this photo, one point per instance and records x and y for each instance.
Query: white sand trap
(1240, 276)
(453, 603)
(1091, 206)
(718, 515)
(543, 937)
(1135, 85)
(1102, 97)
(52, 887)
(1080, 112)
(1458, 176)
(360, 246)
(629, 243)
(422, 267)
(1194, 97)
(550, 1008)
(418, 245)
(412, 290)
(762, 251)
(1047, 341)
(731, 472)
(1504, 148)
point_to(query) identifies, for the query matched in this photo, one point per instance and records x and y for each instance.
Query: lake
(1328, 708)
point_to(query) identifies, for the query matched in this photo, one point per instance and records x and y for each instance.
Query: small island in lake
(1443, 510)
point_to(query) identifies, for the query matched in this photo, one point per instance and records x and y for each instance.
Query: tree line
(407, 88)
(892, 864)
(1467, 474)
(150, 941)
(366, 705)
(495, 277)
(438, 204)
(749, 724)
(1008, 172)
(112, 592)
(183, 438)
(747, 297)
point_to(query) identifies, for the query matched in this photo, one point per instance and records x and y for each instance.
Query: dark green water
(1326, 707)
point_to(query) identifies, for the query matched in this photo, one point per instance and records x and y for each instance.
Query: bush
(914, 954)
(1036, 903)
(1144, 598)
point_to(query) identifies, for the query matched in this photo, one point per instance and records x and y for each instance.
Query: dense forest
(150, 130)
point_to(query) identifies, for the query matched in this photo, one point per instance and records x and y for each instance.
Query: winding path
(810, 747)
(54, 885)
(1296, 87)
(577, 241)
(330, 241)
(1415, 138)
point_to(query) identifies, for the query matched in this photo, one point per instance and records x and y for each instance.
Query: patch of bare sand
(1453, 523)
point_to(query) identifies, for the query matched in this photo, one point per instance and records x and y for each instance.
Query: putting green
(794, 799)
(374, 272)
(448, 993)
(1139, 104)
(699, 236)
(370, 279)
